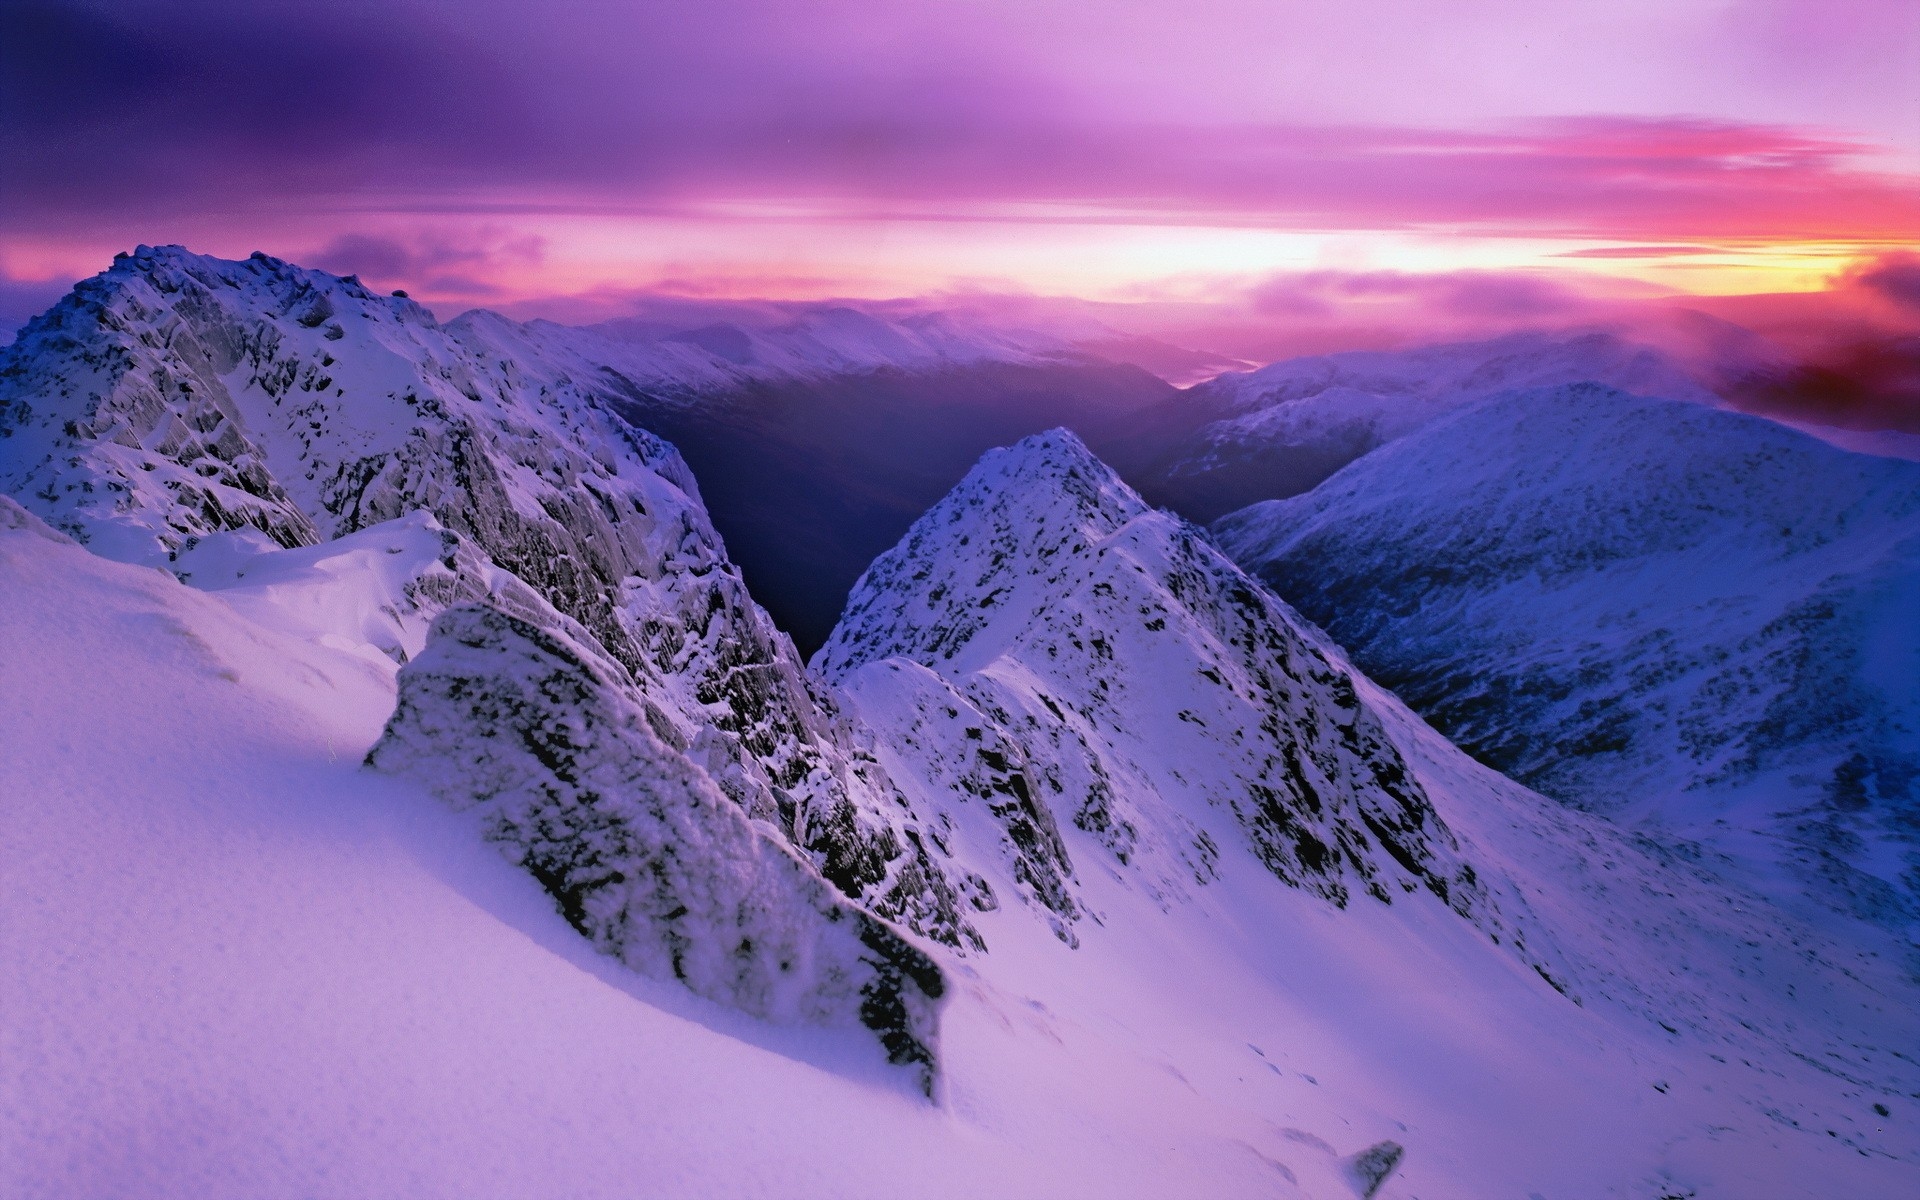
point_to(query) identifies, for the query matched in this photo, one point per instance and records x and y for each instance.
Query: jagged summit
(1148, 685)
(1057, 454)
(176, 397)
(253, 392)
(1003, 541)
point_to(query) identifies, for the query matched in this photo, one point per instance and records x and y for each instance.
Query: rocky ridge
(540, 738)
(177, 397)
(1044, 641)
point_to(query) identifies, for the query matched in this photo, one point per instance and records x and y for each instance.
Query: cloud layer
(864, 111)
(576, 159)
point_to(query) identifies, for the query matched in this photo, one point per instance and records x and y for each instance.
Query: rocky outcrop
(535, 736)
(177, 396)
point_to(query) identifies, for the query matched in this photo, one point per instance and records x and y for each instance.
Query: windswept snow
(379, 588)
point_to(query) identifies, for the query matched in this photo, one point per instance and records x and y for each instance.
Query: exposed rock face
(177, 396)
(1043, 640)
(976, 780)
(534, 735)
(1371, 1166)
(1650, 608)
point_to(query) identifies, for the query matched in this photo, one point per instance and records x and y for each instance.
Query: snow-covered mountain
(707, 353)
(1655, 609)
(176, 397)
(1151, 889)
(1279, 430)
(1046, 637)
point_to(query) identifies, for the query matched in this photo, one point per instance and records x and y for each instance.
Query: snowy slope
(177, 396)
(1073, 683)
(1279, 430)
(1659, 610)
(239, 964)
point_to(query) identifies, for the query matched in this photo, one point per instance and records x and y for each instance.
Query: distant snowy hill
(675, 359)
(1655, 609)
(1280, 430)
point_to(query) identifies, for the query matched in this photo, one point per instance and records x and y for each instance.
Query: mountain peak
(999, 537)
(178, 396)
(1055, 464)
(1053, 609)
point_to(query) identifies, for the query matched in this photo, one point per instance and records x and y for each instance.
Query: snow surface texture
(1658, 610)
(1280, 430)
(1089, 652)
(646, 855)
(177, 396)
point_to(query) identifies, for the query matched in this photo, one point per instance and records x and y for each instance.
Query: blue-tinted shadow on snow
(445, 846)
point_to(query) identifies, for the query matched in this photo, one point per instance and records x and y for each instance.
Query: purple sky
(561, 155)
